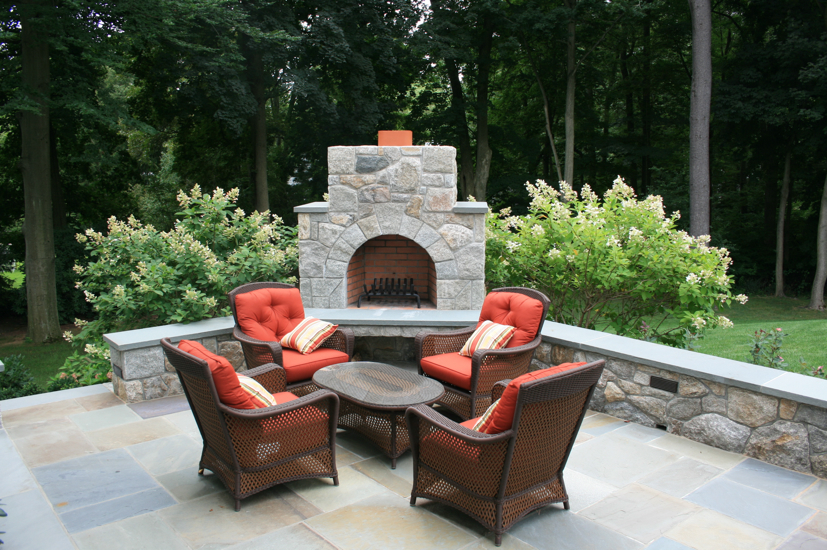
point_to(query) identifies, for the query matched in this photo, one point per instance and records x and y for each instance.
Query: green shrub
(141, 277)
(618, 264)
(16, 380)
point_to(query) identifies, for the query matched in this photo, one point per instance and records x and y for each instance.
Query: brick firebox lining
(390, 256)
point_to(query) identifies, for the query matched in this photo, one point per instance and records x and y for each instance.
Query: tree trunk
(466, 172)
(571, 69)
(484, 152)
(546, 112)
(259, 127)
(38, 230)
(630, 107)
(58, 204)
(645, 108)
(699, 108)
(817, 294)
(779, 233)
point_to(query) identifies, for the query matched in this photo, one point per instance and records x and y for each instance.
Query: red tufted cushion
(269, 313)
(516, 310)
(502, 417)
(223, 375)
(452, 368)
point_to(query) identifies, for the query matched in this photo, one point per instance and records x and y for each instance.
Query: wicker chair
(253, 450)
(260, 352)
(499, 478)
(487, 366)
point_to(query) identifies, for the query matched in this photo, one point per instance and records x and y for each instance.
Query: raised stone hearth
(376, 196)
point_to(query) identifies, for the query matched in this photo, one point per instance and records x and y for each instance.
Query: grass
(42, 360)
(806, 330)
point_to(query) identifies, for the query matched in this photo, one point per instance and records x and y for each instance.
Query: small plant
(16, 380)
(766, 348)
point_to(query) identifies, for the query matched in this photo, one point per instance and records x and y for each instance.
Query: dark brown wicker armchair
(253, 450)
(260, 352)
(487, 366)
(499, 478)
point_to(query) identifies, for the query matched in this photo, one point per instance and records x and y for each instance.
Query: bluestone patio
(82, 469)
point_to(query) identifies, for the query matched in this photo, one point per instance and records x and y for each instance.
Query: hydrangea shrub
(614, 264)
(141, 277)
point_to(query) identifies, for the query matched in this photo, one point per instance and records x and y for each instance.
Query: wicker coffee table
(374, 397)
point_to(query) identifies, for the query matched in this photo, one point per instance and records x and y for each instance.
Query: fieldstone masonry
(144, 373)
(407, 191)
(778, 431)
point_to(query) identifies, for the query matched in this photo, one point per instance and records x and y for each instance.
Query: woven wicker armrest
(498, 389)
(437, 343)
(442, 423)
(257, 415)
(273, 377)
(341, 340)
(258, 352)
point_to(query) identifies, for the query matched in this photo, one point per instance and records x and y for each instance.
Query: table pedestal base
(387, 429)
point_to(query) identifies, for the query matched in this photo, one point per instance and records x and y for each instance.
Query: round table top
(378, 385)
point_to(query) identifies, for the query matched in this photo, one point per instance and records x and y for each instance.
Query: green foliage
(16, 380)
(141, 277)
(611, 264)
(766, 348)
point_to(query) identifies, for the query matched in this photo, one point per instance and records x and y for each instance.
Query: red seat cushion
(451, 368)
(302, 367)
(503, 416)
(269, 313)
(470, 423)
(284, 397)
(516, 310)
(223, 375)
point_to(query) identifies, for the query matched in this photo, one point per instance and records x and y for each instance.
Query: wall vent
(663, 384)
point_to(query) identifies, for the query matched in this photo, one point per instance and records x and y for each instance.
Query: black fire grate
(390, 288)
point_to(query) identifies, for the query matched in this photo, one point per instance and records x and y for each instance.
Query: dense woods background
(145, 97)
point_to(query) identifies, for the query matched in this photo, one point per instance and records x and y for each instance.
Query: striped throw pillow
(308, 335)
(488, 336)
(482, 420)
(260, 397)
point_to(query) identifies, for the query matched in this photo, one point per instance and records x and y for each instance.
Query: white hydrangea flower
(692, 278)
(537, 230)
(723, 322)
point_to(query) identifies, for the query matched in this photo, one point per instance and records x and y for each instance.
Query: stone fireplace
(392, 213)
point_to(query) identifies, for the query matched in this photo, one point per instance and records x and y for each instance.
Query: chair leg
(413, 500)
(335, 481)
(201, 471)
(566, 505)
(237, 505)
(498, 540)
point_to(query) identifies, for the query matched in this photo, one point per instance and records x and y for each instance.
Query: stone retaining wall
(776, 430)
(144, 373)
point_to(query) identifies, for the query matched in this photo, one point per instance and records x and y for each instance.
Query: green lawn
(807, 330)
(43, 361)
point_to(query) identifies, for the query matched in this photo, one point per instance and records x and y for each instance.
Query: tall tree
(817, 292)
(41, 292)
(699, 113)
(782, 218)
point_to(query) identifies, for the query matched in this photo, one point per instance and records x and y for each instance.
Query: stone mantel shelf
(786, 385)
(461, 207)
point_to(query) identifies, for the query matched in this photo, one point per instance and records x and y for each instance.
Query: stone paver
(88, 472)
(751, 506)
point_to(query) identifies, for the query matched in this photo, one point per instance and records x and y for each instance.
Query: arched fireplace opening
(391, 257)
